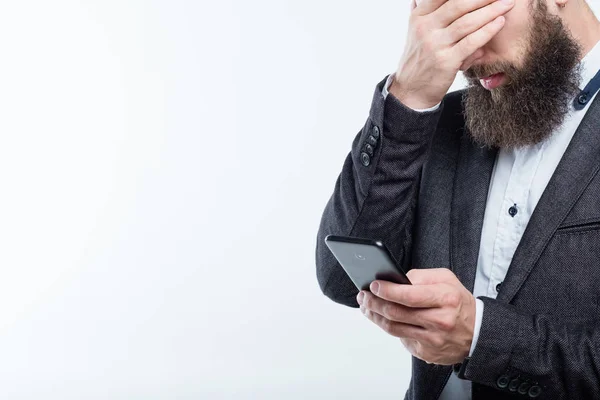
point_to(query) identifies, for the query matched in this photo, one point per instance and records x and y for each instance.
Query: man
(489, 197)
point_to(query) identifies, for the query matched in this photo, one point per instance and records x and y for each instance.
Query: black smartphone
(365, 260)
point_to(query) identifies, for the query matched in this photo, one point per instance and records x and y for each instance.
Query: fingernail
(360, 297)
(374, 287)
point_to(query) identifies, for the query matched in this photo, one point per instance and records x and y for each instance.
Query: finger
(394, 328)
(392, 311)
(427, 276)
(473, 21)
(428, 6)
(413, 5)
(452, 10)
(413, 295)
(469, 44)
(471, 59)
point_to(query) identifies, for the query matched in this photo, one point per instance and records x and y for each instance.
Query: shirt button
(582, 99)
(513, 211)
(498, 287)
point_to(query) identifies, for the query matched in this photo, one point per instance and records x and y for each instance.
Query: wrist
(406, 97)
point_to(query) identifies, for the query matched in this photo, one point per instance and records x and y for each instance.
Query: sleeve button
(376, 132)
(368, 149)
(514, 384)
(523, 387)
(502, 381)
(365, 159)
(534, 391)
(372, 140)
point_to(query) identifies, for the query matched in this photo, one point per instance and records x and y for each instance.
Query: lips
(492, 81)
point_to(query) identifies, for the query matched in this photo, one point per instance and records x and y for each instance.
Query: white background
(163, 170)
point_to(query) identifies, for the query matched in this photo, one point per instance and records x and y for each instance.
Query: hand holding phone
(365, 260)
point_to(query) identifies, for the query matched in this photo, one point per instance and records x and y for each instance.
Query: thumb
(428, 276)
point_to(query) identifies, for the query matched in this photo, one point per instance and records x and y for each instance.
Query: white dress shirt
(519, 178)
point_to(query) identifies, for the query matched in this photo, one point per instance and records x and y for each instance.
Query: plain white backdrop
(163, 170)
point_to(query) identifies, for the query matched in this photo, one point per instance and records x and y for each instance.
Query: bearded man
(489, 198)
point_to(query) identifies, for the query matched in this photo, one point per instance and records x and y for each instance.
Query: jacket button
(365, 159)
(523, 387)
(502, 381)
(534, 391)
(372, 140)
(376, 132)
(368, 149)
(514, 384)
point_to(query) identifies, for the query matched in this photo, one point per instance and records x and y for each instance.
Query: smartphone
(365, 260)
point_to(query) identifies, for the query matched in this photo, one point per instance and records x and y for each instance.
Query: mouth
(493, 81)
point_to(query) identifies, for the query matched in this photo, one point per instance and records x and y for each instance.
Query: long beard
(535, 100)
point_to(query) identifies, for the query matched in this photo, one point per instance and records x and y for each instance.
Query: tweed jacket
(422, 188)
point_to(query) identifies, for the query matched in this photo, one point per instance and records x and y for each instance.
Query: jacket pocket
(582, 225)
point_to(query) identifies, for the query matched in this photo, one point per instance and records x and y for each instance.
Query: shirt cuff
(478, 315)
(385, 92)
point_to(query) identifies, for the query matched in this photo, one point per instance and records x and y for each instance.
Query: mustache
(480, 71)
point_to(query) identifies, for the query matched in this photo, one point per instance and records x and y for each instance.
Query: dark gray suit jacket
(423, 192)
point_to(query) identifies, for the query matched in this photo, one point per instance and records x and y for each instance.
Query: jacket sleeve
(375, 193)
(536, 354)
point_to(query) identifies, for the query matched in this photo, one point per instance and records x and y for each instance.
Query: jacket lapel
(577, 167)
(579, 164)
(469, 198)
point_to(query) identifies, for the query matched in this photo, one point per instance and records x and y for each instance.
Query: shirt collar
(591, 65)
